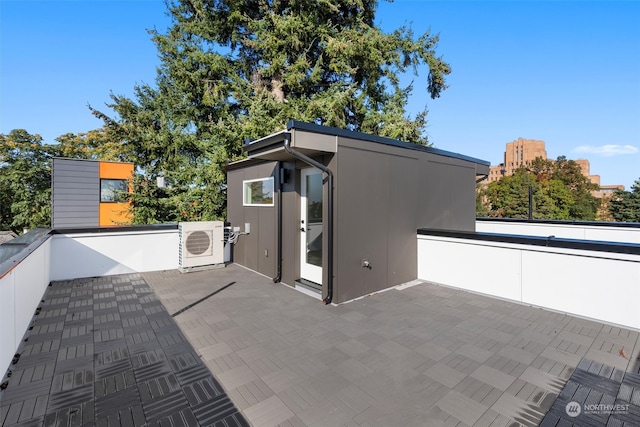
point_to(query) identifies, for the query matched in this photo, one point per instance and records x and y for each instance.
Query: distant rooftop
(13, 250)
(5, 236)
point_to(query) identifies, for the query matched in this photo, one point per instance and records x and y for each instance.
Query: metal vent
(198, 242)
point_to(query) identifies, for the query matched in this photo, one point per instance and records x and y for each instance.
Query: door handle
(302, 229)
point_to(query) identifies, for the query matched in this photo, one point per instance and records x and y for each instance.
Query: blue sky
(565, 72)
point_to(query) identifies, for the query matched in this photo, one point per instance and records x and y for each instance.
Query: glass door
(311, 225)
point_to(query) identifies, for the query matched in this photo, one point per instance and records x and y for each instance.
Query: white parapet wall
(21, 289)
(76, 255)
(72, 255)
(609, 232)
(595, 284)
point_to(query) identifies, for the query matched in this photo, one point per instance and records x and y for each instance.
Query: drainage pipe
(279, 177)
(308, 160)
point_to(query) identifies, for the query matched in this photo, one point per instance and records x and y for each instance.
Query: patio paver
(417, 355)
(104, 351)
(192, 349)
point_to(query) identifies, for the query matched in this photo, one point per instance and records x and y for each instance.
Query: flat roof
(104, 351)
(230, 344)
(262, 144)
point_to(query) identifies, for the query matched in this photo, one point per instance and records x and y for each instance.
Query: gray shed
(337, 212)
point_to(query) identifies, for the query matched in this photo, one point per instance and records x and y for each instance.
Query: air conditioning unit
(201, 244)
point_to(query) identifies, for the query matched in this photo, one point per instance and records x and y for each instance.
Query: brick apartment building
(517, 153)
(522, 152)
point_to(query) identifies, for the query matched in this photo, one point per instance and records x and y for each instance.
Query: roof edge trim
(328, 130)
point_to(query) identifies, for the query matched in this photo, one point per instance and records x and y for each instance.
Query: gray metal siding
(75, 191)
(449, 202)
(256, 250)
(377, 209)
(267, 228)
(363, 217)
(404, 193)
(235, 210)
(290, 228)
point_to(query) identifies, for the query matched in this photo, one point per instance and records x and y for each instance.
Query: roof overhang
(312, 140)
(304, 141)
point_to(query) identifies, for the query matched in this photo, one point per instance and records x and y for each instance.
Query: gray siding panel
(74, 211)
(251, 217)
(75, 191)
(256, 250)
(378, 192)
(290, 227)
(235, 211)
(79, 186)
(267, 229)
(363, 222)
(72, 197)
(404, 193)
(450, 200)
(76, 169)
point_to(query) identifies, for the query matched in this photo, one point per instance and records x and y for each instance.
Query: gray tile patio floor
(104, 351)
(120, 354)
(422, 355)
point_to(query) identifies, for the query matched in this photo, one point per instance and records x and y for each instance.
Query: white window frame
(245, 187)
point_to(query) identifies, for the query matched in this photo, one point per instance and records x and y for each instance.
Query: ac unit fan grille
(197, 242)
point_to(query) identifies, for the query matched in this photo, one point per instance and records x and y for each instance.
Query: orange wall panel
(116, 170)
(115, 213)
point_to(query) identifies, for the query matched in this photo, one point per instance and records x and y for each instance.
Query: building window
(111, 190)
(258, 192)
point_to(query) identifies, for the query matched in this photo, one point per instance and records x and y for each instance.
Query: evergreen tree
(582, 205)
(233, 70)
(25, 172)
(25, 181)
(625, 205)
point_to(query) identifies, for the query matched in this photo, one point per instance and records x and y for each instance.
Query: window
(258, 192)
(111, 190)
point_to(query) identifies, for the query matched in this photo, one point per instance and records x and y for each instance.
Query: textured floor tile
(493, 377)
(444, 375)
(269, 412)
(110, 354)
(426, 355)
(461, 407)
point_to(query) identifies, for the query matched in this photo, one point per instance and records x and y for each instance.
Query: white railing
(609, 232)
(590, 283)
(21, 289)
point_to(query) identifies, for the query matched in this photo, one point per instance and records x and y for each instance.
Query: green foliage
(625, 205)
(235, 70)
(25, 181)
(25, 172)
(560, 191)
(98, 144)
(482, 208)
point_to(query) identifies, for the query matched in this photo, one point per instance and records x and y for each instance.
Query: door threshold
(309, 285)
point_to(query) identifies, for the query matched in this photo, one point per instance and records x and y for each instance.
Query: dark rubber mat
(597, 395)
(104, 351)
